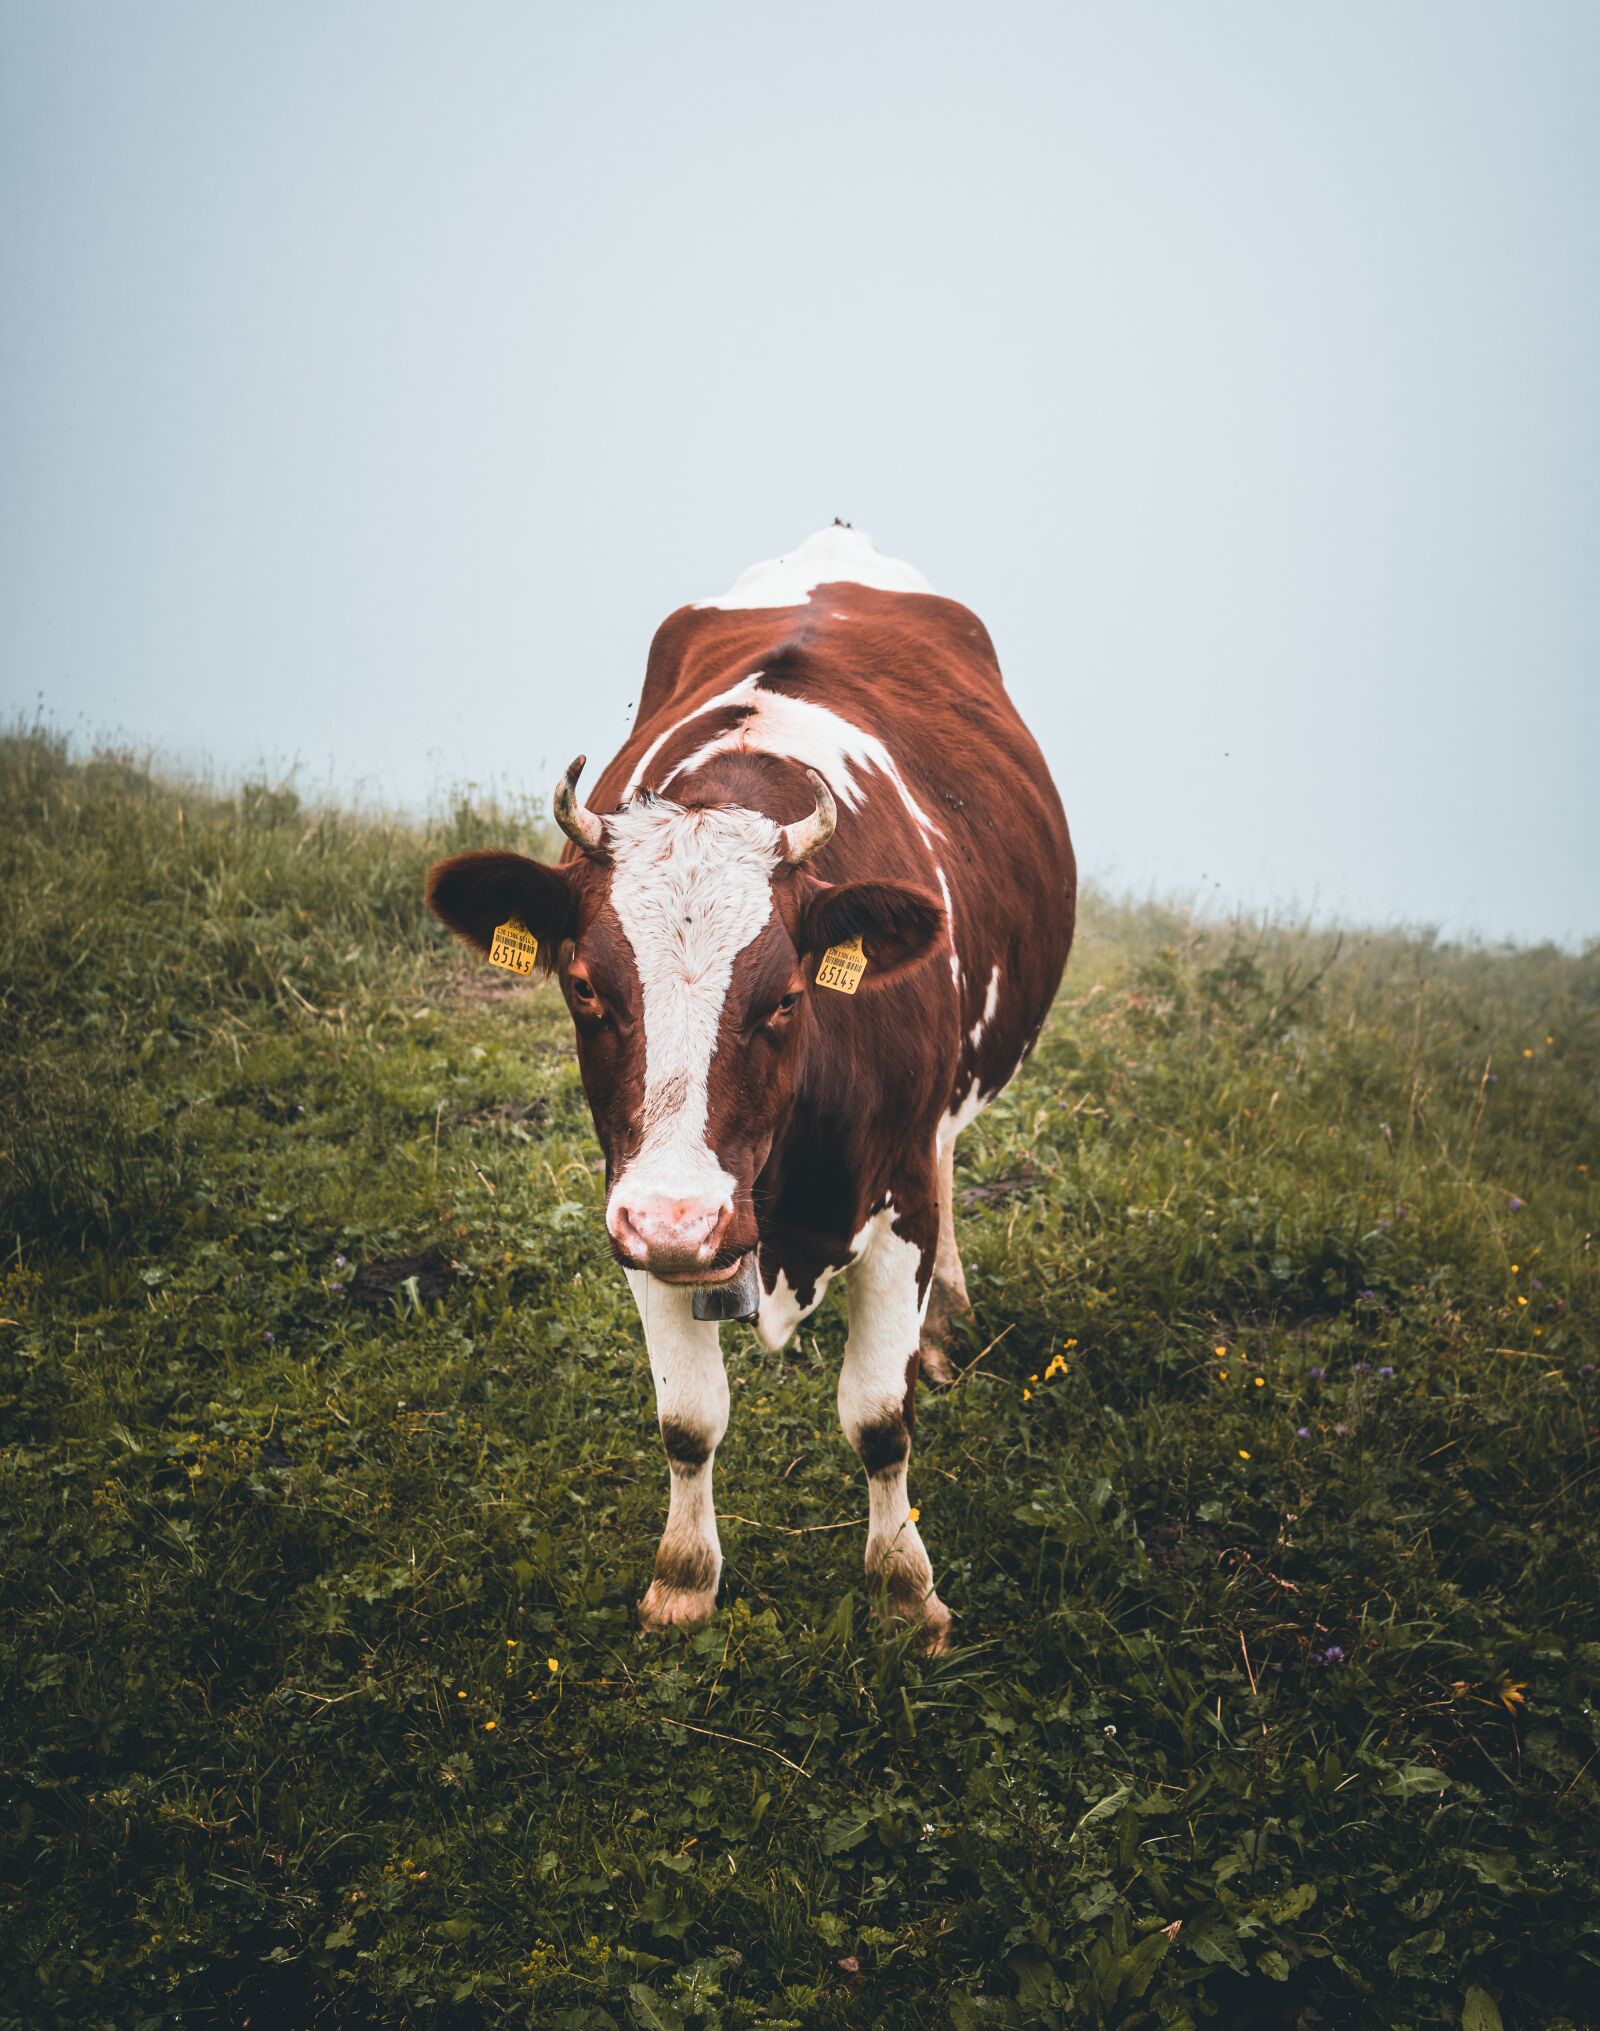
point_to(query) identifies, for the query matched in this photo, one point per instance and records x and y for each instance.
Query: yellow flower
(915, 1515)
(1222, 1374)
(1261, 1382)
(551, 1664)
(1243, 1455)
(1511, 1693)
(1220, 1352)
(490, 1726)
(1069, 1343)
(1027, 1394)
(1549, 1040)
(460, 1695)
(1527, 1054)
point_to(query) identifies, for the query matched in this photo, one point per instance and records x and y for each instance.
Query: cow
(825, 772)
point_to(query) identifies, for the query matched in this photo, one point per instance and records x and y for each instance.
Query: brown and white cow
(825, 751)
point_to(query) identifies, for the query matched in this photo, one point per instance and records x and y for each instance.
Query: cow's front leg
(877, 1407)
(692, 1411)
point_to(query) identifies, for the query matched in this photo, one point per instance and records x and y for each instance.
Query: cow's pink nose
(682, 1229)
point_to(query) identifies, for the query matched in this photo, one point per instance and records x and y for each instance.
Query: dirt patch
(379, 1286)
(995, 1191)
(517, 1115)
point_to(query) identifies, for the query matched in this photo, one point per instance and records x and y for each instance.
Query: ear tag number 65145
(842, 966)
(515, 947)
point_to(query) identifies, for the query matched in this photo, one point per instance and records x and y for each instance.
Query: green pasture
(1266, 1504)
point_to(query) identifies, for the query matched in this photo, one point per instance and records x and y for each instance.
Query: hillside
(1266, 1504)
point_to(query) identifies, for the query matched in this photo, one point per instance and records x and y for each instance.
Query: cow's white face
(693, 893)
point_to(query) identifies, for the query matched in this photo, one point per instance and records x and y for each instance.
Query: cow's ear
(897, 926)
(475, 892)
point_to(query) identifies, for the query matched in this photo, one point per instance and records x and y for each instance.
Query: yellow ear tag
(514, 947)
(842, 966)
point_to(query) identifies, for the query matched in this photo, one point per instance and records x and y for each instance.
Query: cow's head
(686, 940)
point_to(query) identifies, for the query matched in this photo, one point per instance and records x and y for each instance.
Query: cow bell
(738, 1298)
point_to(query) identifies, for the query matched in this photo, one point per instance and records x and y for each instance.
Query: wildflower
(1334, 1654)
(1261, 1382)
(1527, 1054)
(1220, 1352)
(1222, 1374)
(490, 1726)
(1520, 1299)
(1363, 1368)
(1386, 1372)
(1303, 1432)
(1385, 1225)
(551, 1664)
(1512, 1691)
(1516, 1203)
(1110, 1728)
(1534, 1284)
(460, 1695)
(511, 1643)
(1243, 1455)
(336, 1287)
(1027, 1396)
(1367, 1296)
(1341, 1431)
(340, 1262)
(1549, 1040)
(267, 1336)
(1317, 1374)
(1515, 1267)
(914, 1515)
(1058, 1366)
(1069, 1344)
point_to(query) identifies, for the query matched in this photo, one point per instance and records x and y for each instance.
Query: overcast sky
(376, 376)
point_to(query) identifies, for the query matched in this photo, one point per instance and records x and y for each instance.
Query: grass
(1273, 1696)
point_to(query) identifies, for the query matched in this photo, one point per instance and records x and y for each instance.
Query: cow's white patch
(691, 1391)
(827, 558)
(691, 889)
(991, 1001)
(777, 723)
(781, 1311)
(886, 1312)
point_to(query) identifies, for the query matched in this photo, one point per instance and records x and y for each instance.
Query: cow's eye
(788, 1005)
(582, 993)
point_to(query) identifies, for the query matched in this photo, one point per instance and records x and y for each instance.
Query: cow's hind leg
(692, 1410)
(947, 1300)
(877, 1408)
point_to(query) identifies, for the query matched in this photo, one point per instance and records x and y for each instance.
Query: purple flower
(1386, 1373)
(1341, 1431)
(336, 1287)
(1516, 1203)
(1534, 1284)
(1369, 1296)
(1385, 1225)
(1363, 1368)
(267, 1336)
(1334, 1654)
(339, 1262)
(1317, 1374)
(1303, 1432)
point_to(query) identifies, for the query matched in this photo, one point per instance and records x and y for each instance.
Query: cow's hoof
(666, 1608)
(935, 1626)
(934, 1363)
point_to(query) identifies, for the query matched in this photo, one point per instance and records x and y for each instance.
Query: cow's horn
(576, 820)
(806, 835)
